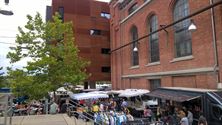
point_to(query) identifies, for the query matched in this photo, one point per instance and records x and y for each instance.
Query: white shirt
(184, 121)
(190, 117)
(101, 107)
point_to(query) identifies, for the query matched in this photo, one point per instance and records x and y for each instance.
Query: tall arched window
(183, 45)
(153, 40)
(134, 54)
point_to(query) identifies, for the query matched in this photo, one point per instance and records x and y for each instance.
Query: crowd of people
(173, 114)
(32, 108)
(105, 108)
(108, 108)
(35, 108)
(167, 113)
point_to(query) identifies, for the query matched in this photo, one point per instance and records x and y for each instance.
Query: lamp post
(5, 10)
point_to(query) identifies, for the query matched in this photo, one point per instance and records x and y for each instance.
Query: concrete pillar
(86, 85)
(92, 85)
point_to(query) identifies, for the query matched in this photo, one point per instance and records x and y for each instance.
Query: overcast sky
(9, 24)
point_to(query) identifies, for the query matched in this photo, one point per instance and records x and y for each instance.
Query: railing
(6, 108)
(86, 115)
(70, 112)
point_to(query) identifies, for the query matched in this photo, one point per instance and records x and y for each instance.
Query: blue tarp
(4, 90)
(20, 99)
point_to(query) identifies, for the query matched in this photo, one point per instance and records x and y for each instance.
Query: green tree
(53, 53)
(2, 79)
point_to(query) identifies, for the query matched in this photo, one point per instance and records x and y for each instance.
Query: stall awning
(133, 92)
(82, 96)
(174, 95)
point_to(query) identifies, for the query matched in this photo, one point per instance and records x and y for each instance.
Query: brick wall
(202, 47)
(85, 15)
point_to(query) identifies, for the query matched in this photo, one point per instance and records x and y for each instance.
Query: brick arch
(152, 13)
(171, 8)
(171, 5)
(131, 28)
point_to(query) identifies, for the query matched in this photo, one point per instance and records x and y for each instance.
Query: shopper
(202, 120)
(53, 108)
(184, 119)
(190, 116)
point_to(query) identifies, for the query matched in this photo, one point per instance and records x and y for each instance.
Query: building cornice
(170, 73)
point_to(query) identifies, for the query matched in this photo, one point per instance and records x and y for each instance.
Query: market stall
(82, 96)
(133, 92)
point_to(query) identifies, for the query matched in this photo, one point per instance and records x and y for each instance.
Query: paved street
(59, 119)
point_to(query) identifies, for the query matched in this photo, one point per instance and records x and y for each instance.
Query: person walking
(53, 108)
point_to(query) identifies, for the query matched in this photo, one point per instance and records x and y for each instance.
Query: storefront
(199, 101)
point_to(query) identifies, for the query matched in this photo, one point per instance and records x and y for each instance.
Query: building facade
(172, 57)
(91, 31)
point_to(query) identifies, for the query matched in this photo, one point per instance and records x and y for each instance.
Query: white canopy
(133, 92)
(61, 89)
(81, 96)
(108, 92)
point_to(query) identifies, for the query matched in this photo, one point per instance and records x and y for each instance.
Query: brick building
(91, 31)
(173, 57)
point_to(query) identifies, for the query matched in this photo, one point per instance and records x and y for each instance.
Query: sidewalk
(58, 119)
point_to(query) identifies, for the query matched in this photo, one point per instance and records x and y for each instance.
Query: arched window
(134, 54)
(153, 40)
(183, 45)
(132, 8)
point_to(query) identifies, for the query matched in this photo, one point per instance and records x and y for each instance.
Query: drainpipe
(216, 66)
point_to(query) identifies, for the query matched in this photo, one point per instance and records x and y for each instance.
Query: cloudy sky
(9, 24)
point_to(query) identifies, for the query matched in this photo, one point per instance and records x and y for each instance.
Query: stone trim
(175, 72)
(182, 59)
(153, 64)
(135, 67)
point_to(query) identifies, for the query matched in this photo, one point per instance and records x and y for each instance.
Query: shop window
(154, 84)
(106, 69)
(95, 32)
(105, 15)
(182, 35)
(105, 51)
(61, 13)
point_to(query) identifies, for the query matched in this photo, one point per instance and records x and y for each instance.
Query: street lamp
(192, 26)
(135, 49)
(6, 10)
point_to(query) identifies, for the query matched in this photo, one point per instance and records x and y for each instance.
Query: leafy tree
(2, 79)
(54, 55)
